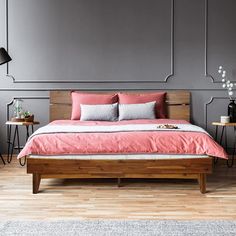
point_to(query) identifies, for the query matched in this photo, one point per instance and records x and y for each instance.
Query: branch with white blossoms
(227, 84)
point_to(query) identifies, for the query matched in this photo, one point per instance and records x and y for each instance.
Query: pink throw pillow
(89, 99)
(146, 97)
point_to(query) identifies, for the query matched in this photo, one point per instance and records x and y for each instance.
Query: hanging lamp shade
(4, 57)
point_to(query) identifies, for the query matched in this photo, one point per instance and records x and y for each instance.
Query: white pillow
(137, 111)
(101, 112)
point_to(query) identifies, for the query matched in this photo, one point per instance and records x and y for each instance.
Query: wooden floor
(137, 199)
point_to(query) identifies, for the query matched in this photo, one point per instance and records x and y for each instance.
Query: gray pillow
(99, 112)
(137, 111)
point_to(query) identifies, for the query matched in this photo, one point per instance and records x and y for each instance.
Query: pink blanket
(138, 142)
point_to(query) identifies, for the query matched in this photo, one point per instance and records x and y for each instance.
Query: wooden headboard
(177, 104)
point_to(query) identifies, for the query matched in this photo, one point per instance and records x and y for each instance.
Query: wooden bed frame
(178, 107)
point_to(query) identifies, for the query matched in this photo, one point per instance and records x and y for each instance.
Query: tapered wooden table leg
(202, 183)
(119, 182)
(36, 182)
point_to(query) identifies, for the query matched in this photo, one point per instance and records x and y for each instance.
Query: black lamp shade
(4, 57)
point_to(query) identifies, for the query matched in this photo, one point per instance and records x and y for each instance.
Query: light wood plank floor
(137, 199)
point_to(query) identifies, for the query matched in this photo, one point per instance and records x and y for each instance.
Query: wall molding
(22, 97)
(206, 117)
(14, 80)
(206, 108)
(206, 46)
(212, 98)
(207, 74)
(11, 102)
(105, 89)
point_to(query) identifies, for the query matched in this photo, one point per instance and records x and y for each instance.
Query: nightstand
(11, 142)
(223, 134)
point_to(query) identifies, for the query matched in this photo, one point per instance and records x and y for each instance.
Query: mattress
(119, 157)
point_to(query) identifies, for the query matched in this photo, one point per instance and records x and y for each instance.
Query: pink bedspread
(158, 142)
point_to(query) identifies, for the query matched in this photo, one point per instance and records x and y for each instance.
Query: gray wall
(117, 45)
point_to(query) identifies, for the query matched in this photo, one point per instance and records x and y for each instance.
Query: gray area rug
(118, 227)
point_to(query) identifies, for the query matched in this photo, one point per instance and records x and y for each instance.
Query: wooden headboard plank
(60, 112)
(178, 98)
(177, 102)
(174, 97)
(60, 97)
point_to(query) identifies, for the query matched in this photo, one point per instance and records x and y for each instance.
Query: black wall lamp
(4, 56)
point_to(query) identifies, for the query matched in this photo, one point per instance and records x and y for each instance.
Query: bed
(117, 165)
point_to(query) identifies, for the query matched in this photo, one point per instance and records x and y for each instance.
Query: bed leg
(119, 182)
(202, 183)
(36, 182)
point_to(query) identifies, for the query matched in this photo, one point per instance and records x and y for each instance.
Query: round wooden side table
(11, 142)
(223, 135)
